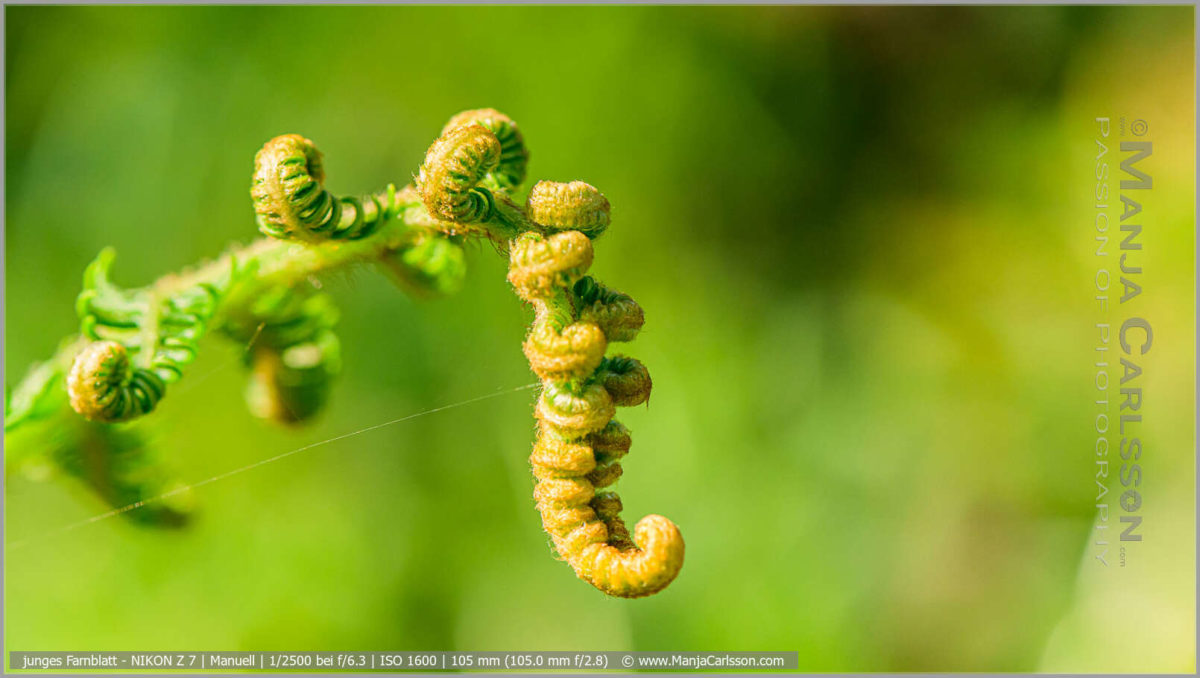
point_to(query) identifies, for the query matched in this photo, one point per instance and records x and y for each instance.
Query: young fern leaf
(579, 444)
(135, 343)
(142, 340)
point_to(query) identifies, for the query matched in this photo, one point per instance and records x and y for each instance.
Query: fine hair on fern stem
(134, 344)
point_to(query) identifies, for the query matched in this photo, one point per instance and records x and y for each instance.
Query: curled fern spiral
(103, 386)
(141, 341)
(510, 171)
(579, 443)
(576, 457)
(290, 199)
(574, 206)
(454, 168)
(617, 314)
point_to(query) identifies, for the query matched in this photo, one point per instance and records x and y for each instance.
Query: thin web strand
(262, 462)
(193, 383)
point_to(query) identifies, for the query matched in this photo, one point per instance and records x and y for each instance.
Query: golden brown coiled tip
(514, 156)
(540, 266)
(453, 167)
(634, 572)
(288, 187)
(573, 206)
(570, 354)
(289, 147)
(103, 386)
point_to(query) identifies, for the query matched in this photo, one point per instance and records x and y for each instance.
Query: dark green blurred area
(858, 238)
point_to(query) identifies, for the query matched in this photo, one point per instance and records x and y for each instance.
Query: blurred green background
(863, 241)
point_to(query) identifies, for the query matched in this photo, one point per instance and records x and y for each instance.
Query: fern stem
(276, 262)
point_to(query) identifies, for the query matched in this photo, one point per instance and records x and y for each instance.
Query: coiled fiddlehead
(510, 170)
(290, 199)
(454, 167)
(114, 462)
(142, 339)
(617, 314)
(579, 444)
(573, 206)
(104, 387)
